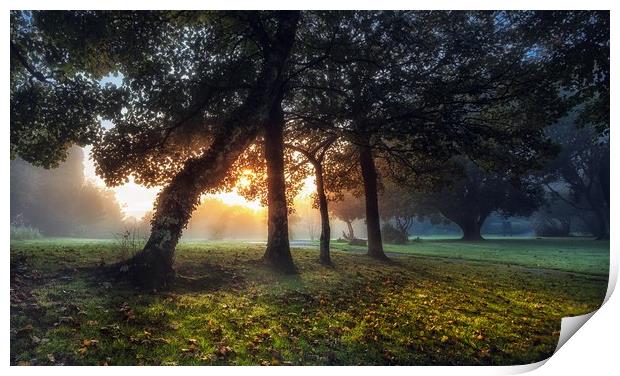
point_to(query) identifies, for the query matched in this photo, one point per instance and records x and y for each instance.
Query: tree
(468, 201)
(315, 150)
(555, 218)
(575, 177)
(198, 87)
(579, 53)
(44, 84)
(577, 44)
(411, 86)
(400, 206)
(348, 209)
(261, 108)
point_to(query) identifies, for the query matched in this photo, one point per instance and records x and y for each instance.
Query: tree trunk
(324, 256)
(468, 221)
(278, 252)
(471, 229)
(350, 228)
(152, 267)
(604, 178)
(373, 225)
(601, 231)
(351, 234)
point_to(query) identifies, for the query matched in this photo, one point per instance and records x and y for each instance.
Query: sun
(233, 198)
(136, 200)
(309, 187)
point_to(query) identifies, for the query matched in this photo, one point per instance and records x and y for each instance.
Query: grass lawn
(439, 302)
(581, 255)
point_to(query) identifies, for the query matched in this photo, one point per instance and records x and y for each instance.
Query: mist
(64, 202)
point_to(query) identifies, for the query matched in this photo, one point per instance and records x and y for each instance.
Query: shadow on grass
(361, 311)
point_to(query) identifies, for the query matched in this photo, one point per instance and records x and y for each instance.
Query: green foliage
(227, 309)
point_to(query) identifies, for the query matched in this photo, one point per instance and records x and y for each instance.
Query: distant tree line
(60, 202)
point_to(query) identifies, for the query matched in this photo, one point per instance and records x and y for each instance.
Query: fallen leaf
(223, 351)
(68, 320)
(24, 330)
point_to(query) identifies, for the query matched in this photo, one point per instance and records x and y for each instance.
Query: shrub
(393, 235)
(24, 232)
(356, 241)
(129, 242)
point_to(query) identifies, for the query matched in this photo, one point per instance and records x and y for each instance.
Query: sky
(136, 200)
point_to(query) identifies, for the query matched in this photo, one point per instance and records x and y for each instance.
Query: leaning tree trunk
(278, 252)
(152, 267)
(351, 235)
(373, 224)
(324, 256)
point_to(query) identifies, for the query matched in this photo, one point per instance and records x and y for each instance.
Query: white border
(594, 347)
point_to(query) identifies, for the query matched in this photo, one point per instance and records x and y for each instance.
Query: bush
(551, 227)
(550, 230)
(24, 232)
(393, 235)
(356, 241)
(129, 242)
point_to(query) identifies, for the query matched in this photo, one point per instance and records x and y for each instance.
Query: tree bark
(471, 229)
(278, 252)
(324, 255)
(601, 231)
(152, 267)
(373, 224)
(316, 156)
(469, 222)
(350, 228)
(604, 178)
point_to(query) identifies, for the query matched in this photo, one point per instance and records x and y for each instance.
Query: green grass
(230, 309)
(580, 255)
